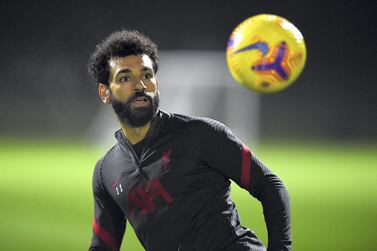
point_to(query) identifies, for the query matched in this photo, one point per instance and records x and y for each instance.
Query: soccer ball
(266, 53)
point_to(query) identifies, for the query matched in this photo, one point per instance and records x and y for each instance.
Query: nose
(140, 86)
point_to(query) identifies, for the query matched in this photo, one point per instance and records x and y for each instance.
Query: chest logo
(119, 189)
(165, 160)
(143, 197)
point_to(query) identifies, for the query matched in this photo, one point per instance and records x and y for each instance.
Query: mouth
(140, 101)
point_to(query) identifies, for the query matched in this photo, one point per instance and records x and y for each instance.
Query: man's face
(133, 89)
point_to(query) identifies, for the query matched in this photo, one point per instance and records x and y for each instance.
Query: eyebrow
(123, 71)
(144, 69)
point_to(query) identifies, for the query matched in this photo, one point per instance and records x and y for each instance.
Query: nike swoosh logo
(115, 182)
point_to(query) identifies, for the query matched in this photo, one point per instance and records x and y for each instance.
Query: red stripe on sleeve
(104, 235)
(245, 171)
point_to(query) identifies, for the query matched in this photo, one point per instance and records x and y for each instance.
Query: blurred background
(319, 135)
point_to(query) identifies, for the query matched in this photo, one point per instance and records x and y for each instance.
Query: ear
(104, 93)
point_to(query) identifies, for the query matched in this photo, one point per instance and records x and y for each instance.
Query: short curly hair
(120, 44)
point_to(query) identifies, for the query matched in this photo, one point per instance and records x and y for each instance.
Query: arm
(223, 152)
(109, 221)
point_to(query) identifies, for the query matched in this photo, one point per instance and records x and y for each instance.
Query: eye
(148, 76)
(124, 79)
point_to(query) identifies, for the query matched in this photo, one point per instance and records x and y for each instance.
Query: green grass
(46, 203)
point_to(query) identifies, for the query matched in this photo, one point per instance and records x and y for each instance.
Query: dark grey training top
(176, 192)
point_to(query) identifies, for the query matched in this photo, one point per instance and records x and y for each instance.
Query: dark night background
(45, 46)
(319, 135)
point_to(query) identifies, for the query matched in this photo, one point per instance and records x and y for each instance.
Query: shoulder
(105, 160)
(194, 122)
(100, 168)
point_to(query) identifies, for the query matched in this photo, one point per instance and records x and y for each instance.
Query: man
(169, 174)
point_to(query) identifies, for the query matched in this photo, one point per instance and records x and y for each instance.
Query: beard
(135, 116)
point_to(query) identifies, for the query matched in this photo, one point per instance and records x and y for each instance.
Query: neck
(135, 134)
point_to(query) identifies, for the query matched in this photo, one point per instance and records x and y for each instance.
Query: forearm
(276, 208)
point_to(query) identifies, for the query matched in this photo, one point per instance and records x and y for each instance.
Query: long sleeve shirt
(174, 190)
